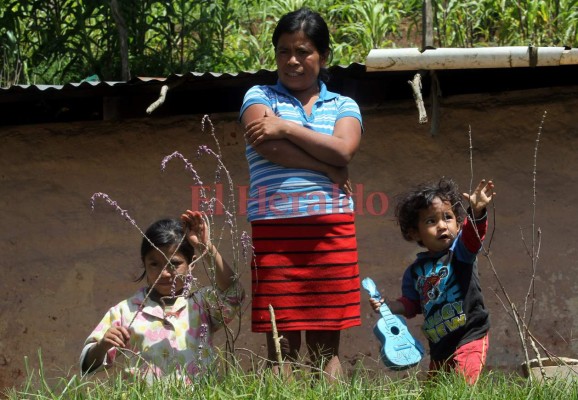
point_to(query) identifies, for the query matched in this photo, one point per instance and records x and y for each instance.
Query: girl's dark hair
(420, 198)
(162, 233)
(314, 27)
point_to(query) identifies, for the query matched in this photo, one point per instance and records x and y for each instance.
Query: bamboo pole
(409, 59)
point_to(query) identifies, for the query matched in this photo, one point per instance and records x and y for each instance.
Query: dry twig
(520, 320)
(276, 338)
(416, 89)
(159, 102)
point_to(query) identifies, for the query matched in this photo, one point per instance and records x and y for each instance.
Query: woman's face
(155, 262)
(298, 63)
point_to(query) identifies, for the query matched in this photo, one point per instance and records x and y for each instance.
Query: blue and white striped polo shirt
(279, 192)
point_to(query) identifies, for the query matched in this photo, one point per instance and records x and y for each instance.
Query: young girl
(163, 328)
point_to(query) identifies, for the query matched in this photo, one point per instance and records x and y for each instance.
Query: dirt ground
(64, 265)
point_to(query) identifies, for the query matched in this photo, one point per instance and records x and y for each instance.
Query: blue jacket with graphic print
(445, 288)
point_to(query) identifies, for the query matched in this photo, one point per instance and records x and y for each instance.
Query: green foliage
(506, 23)
(237, 384)
(59, 41)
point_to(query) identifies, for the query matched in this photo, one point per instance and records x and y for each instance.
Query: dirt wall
(63, 264)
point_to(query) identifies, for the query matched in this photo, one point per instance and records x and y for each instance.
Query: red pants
(468, 360)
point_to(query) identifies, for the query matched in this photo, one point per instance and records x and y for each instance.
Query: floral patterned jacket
(178, 339)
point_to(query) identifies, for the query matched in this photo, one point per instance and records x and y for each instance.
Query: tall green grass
(238, 384)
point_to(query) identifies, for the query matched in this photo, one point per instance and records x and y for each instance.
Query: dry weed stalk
(276, 337)
(305, 365)
(521, 320)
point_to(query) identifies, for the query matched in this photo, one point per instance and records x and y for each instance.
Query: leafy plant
(59, 41)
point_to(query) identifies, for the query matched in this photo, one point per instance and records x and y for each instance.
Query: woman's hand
(268, 127)
(340, 176)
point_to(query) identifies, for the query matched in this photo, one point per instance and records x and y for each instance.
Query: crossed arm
(291, 145)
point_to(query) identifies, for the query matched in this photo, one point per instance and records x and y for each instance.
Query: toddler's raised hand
(481, 197)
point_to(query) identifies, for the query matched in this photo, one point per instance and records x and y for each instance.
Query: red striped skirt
(306, 268)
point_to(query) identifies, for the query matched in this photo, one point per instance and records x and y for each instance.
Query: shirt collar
(153, 308)
(426, 254)
(324, 94)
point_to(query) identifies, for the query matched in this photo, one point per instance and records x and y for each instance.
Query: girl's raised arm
(198, 236)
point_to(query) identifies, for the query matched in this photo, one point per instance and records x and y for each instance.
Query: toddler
(443, 283)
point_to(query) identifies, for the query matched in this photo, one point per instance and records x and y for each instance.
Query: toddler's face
(437, 226)
(155, 262)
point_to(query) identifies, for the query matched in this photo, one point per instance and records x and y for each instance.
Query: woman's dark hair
(420, 198)
(162, 233)
(314, 27)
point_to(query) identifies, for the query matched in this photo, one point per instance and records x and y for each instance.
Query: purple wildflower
(188, 285)
(210, 206)
(246, 243)
(188, 166)
(174, 288)
(203, 330)
(203, 149)
(114, 204)
(229, 218)
(207, 118)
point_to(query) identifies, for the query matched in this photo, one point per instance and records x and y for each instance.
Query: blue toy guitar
(400, 350)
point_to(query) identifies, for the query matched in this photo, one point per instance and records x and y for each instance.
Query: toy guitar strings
(400, 350)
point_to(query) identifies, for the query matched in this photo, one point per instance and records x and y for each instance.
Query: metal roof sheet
(209, 92)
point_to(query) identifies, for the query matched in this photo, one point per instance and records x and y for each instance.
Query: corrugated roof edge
(211, 92)
(190, 76)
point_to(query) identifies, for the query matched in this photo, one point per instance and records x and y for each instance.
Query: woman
(300, 138)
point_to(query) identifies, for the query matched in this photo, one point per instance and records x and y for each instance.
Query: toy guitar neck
(400, 350)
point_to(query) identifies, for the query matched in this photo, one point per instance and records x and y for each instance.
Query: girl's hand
(198, 236)
(196, 230)
(481, 197)
(268, 127)
(115, 336)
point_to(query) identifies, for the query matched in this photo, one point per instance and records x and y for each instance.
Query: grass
(238, 384)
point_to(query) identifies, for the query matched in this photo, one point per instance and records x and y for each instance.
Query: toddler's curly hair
(421, 197)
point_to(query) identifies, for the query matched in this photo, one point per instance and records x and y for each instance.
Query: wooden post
(122, 37)
(427, 26)
(435, 96)
(428, 43)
